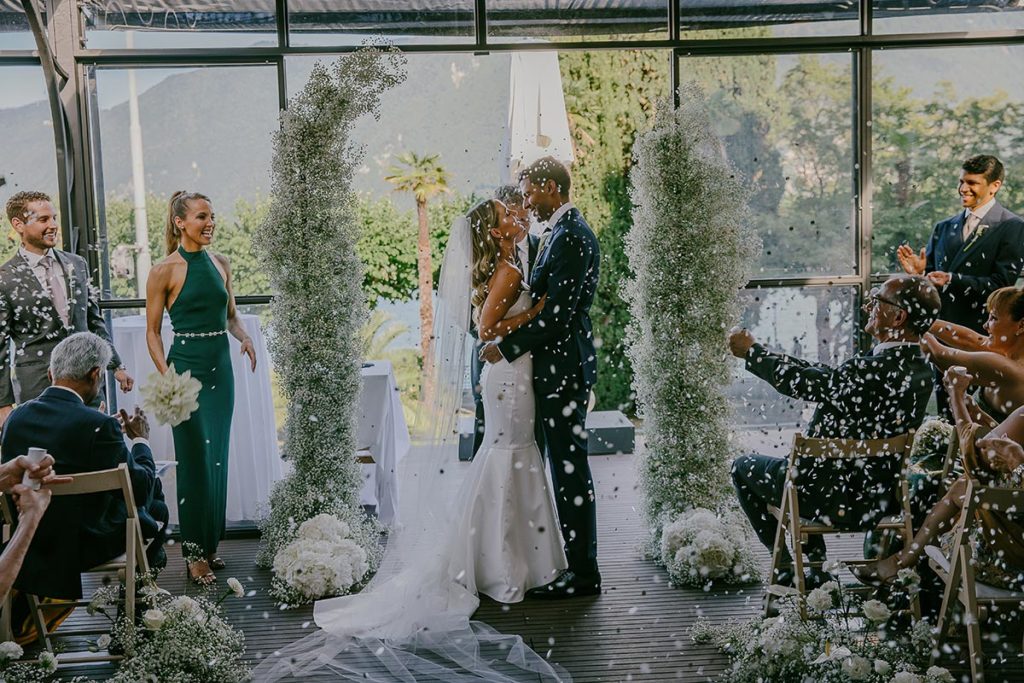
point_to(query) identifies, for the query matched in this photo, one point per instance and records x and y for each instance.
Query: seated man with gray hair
(80, 532)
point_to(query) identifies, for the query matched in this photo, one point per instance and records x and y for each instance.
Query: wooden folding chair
(805, 448)
(957, 571)
(133, 561)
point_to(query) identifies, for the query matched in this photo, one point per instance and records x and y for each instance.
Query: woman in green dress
(194, 287)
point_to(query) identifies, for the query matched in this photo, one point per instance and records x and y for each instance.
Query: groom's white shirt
(557, 215)
(524, 257)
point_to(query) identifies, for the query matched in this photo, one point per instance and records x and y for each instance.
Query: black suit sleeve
(929, 252)
(94, 317)
(1005, 270)
(110, 451)
(6, 361)
(570, 257)
(798, 378)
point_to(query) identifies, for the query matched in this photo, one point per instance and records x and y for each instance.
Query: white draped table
(382, 431)
(254, 463)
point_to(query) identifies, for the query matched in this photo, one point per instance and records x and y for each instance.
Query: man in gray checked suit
(45, 296)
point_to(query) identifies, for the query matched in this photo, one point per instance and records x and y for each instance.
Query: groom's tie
(544, 239)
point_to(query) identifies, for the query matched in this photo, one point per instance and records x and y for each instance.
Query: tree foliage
(609, 96)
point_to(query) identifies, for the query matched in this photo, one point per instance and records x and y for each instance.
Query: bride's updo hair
(482, 219)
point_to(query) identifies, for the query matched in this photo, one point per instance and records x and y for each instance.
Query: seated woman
(996, 360)
(995, 460)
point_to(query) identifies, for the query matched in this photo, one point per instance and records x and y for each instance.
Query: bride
(490, 530)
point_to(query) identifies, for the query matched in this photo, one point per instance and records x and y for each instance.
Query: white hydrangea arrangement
(691, 249)
(845, 639)
(319, 307)
(700, 546)
(171, 398)
(322, 561)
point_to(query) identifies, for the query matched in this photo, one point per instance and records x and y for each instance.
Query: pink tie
(57, 295)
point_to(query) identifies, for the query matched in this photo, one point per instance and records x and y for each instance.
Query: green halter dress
(199, 319)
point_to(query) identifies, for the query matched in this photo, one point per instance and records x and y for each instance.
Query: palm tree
(425, 178)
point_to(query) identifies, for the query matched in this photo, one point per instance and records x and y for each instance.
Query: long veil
(411, 623)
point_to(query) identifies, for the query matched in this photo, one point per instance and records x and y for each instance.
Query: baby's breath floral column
(307, 245)
(691, 249)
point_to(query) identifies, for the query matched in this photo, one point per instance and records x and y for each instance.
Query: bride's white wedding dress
(489, 527)
(508, 535)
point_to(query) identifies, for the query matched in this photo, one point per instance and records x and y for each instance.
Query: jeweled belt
(200, 334)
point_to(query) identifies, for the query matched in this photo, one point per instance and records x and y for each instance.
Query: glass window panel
(930, 112)
(156, 24)
(203, 130)
(15, 33)
(315, 22)
(787, 122)
(812, 323)
(934, 16)
(589, 20)
(27, 154)
(703, 19)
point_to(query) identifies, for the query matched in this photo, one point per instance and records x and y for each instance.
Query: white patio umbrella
(538, 125)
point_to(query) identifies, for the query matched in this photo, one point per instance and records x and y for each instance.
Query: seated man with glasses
(875, 396)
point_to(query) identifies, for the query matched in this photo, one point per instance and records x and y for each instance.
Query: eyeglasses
(874, 298)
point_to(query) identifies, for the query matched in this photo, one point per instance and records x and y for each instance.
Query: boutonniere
(978, 232)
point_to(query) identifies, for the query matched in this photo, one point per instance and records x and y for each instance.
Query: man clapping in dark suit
(875, 396)
(80, 532)
(973, 253)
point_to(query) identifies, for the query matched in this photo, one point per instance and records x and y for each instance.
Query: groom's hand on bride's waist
(489, 353)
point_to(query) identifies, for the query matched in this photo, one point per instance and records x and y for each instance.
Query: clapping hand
(124, 380)
(740, 341)
(1003, 454)
(957, 379)
(939, 278)
(135, 426)
(912, 263)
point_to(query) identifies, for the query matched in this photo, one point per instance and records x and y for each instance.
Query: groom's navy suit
(991, 260)
(561, 340)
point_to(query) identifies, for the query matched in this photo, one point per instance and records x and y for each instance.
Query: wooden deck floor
(638, 630)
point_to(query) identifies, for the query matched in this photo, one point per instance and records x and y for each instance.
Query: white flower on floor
(876, 611)
(882, 667)
(103, 642)
(48, 661)
(236, 587)
(321, 561)
(938, 674)
(906, 677)
(153, 619)
(819, 599)
(833, 566)
(10, 650)
(169, 397)
(856, 668)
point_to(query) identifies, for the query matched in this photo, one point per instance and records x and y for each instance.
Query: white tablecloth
(254, 463)
(383, 431)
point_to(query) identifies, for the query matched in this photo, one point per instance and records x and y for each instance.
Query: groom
(564, 364)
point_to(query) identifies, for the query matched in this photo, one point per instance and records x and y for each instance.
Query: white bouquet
(171, 398)
(322, 561)
(700, 546)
